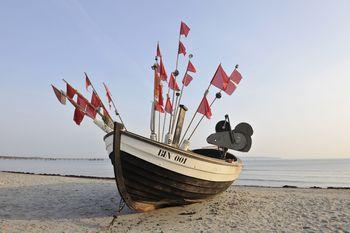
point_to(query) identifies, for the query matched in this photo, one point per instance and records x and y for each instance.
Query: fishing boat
(152, 175)
(162, 170)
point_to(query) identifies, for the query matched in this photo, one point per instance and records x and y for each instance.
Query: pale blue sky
(294, 57)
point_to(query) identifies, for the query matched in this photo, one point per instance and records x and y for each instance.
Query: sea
(257, 171)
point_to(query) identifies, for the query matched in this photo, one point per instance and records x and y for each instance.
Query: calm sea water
(257, 171)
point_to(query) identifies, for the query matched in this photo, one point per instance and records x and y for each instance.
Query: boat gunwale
(190, 154)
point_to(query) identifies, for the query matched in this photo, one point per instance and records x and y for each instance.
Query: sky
(294, 57)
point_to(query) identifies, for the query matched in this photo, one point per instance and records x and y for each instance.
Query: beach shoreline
(46, 203)
(110, 178)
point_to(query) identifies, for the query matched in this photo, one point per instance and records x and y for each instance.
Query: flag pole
(153, 135)
(178, 102)
(217, 96)
(115, 108)
(176, 73)
(158, 126)
(194, 115)
(97, 110)
(164, 119)
(110, 118)
(94, 90)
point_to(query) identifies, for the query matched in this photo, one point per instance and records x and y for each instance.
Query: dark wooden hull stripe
(146, 182)
(163, 190)
(171, 175)
(170, 184)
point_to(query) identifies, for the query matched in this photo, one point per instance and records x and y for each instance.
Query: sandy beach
(34, 203)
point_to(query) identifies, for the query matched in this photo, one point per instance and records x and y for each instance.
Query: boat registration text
(167, 155)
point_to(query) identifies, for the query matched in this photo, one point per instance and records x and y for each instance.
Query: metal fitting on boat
(185, 145)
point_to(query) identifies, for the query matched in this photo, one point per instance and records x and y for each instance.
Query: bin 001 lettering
(167, 155)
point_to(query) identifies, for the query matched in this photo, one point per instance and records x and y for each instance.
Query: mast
(175, 73)
(153, 135)
(178, 98)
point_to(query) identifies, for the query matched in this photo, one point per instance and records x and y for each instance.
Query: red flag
(108, 94)
(90, 111)
(231, 87)
(70, 91)
(204, 108)
(59, 95)
(160, 96)
(105, 112)
(236, 77)
(168, 105)
(172, 83)
(159, 103)
(220, 79)
(87, 82)
(95, 100)
(184, 29)
(156, 85)
(158, 107)
(182, 49)
(82, 102)
(186, 80)
(158, 51)
(190, 67)
(78, 116)
(162, 71)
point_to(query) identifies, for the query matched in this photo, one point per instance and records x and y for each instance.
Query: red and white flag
(190, 67)
(204, 108)
(87, 82)
(162, 71)
(70, 91)
(182, 49)
(95, 100)
(230, 88)
(109, 96)
(158, 51)
(78, 116)
(172, 83)
(220, 79)
(187, 80)
(184, 29)
(160, 96)
(82, 102)
(158, 107)
(105, 112)
(168, 105)
(159, 100)
(59, 95)
(90, 111)
(236, 77)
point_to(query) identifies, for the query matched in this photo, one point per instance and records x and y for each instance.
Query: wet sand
(34, 203)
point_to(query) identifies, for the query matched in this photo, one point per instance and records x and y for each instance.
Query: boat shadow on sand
(72, 200)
